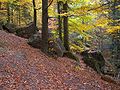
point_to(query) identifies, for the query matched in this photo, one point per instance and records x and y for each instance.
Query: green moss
(71, 56)
(77, 67)
(95, 64)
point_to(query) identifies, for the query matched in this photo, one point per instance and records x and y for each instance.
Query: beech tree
(8, 12)
(59, 8)
(45, 25)
(65, 25)
(35, 13)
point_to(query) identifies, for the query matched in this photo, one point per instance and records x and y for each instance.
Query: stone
(1, 27)
(9, 27)
(35, 40)
(71, 56)
(60, 49)
(27, 31)
(56, 47)
(96, 60)
(1, 23)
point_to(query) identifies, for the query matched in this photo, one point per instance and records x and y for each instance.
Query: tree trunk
(65, 25)
(45, 25)
(35, 14)
(19, 16)
(59, 19)
(114, 7)
(12, 17)
(8, 13)
(0, 5)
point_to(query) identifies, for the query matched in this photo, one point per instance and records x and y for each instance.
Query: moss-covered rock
(96, 60)
(26, 31)
(35, 40)
(9, 27)
(71, 56)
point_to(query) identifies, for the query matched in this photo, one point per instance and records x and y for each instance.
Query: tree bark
(0, 5)
(35, 14)
(45, 25)
(59, 20)
(19, 15)
(65, 25)
(12, 17)
(8, 13)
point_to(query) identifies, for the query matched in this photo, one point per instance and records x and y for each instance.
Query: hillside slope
(25, 68)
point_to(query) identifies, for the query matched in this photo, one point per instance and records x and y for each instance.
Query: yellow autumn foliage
(112, 29)
(102, 22)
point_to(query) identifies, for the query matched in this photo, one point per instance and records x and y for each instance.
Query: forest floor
(25, 68)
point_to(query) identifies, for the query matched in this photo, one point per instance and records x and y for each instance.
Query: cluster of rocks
(27, 31)
(96, 60)
(55, 45)
(35, 38)
(10, 28)
(24, 32)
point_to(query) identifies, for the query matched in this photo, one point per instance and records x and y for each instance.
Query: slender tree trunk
(65, 25)
(59, 20)
(0, 5)
(45, 25)
(114, 9)
(19, 16)
(35, 14)
(12, 17)
(8, 13)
